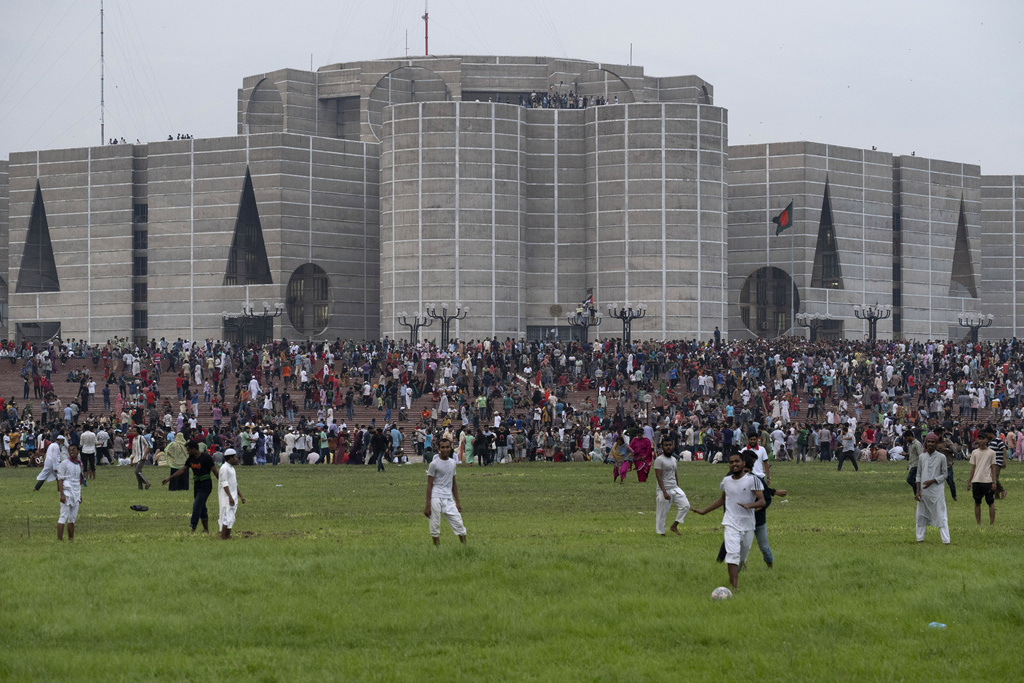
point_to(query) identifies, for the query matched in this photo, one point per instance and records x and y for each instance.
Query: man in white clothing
(51, 462)
(228, 495)
(668, 491)
(931, 490)
(762, 467)
(69, 484)
(742, 494)
(443, 494)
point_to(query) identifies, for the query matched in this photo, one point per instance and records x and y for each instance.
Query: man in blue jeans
(202, 467)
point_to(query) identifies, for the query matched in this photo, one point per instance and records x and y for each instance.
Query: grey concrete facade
(927, 199)
(1002, 254)
(5, 236)
(518, 212)
(763, 179)
(87, 195)
(383, 185)
(317, 203)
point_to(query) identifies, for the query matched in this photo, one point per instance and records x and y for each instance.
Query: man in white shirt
(742, 494)
(228, 495)
(443, 494)
(87, 441)
(762, 468)
(102, 446)
(668, 492)
(51, 462)
(69, 484)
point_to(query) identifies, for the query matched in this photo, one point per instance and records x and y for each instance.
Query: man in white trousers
(931, 490)
(742, 494)
(443, 494)
(228, 494)
(668, 492)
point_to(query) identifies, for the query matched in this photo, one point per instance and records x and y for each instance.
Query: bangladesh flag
(784, 220)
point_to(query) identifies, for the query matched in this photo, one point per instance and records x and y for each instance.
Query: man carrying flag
(784, 220)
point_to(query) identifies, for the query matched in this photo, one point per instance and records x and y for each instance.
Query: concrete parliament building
(362, 190)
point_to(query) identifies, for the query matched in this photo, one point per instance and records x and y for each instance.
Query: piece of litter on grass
(936, 624)
(639, 513)
(280, 485)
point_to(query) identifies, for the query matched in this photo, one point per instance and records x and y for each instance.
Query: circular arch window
(309, 293)
(604, 83)
(404, 84)
(768, 302)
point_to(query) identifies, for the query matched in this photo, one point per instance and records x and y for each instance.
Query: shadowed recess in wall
(961, 282)
(38, 269)
(826, 272)
(247, 260)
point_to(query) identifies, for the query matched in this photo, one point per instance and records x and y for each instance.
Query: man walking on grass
(849, 448)
(443, 494)
(668, 492)
(69, 484)
(742, 494)
(228, 495)
(931, 490)
(202, 467)
(983, 477)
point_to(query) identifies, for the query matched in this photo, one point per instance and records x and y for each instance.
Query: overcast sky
(938, 77)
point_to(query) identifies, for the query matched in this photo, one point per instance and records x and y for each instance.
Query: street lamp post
(813, 321)
(250, 318)
(627, 314)
(872, 314)
(582, 320)
(418, 321)
(975, 321)
(446, 318)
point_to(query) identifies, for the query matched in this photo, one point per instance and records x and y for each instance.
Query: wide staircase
(11, 385)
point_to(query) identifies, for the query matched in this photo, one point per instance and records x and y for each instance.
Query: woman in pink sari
(643, 456)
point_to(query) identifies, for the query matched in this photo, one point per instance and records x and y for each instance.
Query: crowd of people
(556, 99)
(508, 401)
(517, 400)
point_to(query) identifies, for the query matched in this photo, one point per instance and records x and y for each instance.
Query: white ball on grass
(721, 593)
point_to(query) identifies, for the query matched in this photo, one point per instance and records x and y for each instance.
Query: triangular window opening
(962, 283)
(826, 272)
(247, 260)
(38, 269)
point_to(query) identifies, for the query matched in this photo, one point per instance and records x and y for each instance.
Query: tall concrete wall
(5, 247)
(524, 210)
(763, 179)
(657, 186)
(927, 196)
(1002, 254)
(87, 194)
(317, 202)
(450, 214)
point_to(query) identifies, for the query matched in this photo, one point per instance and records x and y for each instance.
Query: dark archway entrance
(309, 305)
(768, 302)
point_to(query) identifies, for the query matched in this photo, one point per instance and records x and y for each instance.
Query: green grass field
(332, 576)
